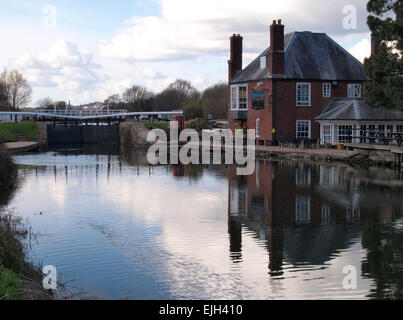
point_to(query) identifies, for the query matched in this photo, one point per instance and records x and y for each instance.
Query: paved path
(22, 146)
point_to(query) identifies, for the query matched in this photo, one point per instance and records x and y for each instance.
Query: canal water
(117, 228)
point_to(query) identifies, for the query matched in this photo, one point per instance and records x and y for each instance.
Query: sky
(83, 51)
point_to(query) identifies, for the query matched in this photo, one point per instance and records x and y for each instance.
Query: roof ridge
(336, 109)
(356, 109)
(290, 43)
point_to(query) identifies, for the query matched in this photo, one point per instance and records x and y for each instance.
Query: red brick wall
(287, 112)
(265, 115)
(280, 101)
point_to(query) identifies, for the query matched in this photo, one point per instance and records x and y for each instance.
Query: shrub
(8, 170)
(197, 124)
(193, 111)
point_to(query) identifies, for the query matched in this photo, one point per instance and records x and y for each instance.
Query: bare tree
(19, 91)
(4, 89)
(3, 96)
(45, 103)
(176, 95)
(113, 101)
(138, 98)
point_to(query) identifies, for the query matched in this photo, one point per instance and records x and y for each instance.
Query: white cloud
(63, 65)
(148, 74)
(188, 29)
(361, 50)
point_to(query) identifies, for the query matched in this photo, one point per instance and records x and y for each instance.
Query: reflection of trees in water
(194, 172)
(7, 192)
(384, 261)
(8, 178)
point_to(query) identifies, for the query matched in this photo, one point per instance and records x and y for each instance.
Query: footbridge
(85, 115)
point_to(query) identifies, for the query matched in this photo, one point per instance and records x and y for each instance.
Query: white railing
(80, 113)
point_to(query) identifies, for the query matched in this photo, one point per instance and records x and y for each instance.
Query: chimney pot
(279, 21)
(274, 21)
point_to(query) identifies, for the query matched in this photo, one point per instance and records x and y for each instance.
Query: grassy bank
(150, 125)
(29, 129)
(196, 124)
(19, 279)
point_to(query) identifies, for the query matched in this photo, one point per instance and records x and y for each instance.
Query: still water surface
(117, 228)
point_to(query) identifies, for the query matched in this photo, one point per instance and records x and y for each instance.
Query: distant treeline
(179, 95)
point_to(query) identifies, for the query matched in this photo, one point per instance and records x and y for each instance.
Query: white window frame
(300, 103)
(302, 176)
(325, 214)
(309, 128)
(343, 131)
(238, 201)
(327, 90)
(237, 104)
(326, 137)
(263, 63)
(234, 88)
(354, 90)
(302, 209)
(257, 128)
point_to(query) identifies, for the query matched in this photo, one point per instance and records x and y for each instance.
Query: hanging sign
(257, 100)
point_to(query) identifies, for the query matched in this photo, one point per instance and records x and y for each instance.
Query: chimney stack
(276, 54)
(235, 62)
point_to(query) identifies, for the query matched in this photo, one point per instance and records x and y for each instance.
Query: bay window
(239, 97)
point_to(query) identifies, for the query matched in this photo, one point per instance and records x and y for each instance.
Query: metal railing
(359, 135)
(80, 113)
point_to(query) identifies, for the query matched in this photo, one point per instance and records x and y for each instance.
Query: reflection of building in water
(304, 213)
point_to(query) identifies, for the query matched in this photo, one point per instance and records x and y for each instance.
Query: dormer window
(263, 63)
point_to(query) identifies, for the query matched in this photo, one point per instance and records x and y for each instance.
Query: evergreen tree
(385, 67)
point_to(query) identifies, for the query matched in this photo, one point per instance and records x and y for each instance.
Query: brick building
(284, 89)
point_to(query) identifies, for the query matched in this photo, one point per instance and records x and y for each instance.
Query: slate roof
(308, 56)
(357, 109)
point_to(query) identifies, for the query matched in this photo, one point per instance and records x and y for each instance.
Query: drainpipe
(273, 110)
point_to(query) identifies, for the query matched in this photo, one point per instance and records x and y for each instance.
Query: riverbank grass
(19, 278)
(149, 125)
(10, 285)
(29, 129)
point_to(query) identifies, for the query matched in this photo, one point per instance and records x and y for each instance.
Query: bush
(8, 175)
(193, 111)
(197, 124)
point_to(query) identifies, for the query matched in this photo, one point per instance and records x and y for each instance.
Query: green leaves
(385, 69)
